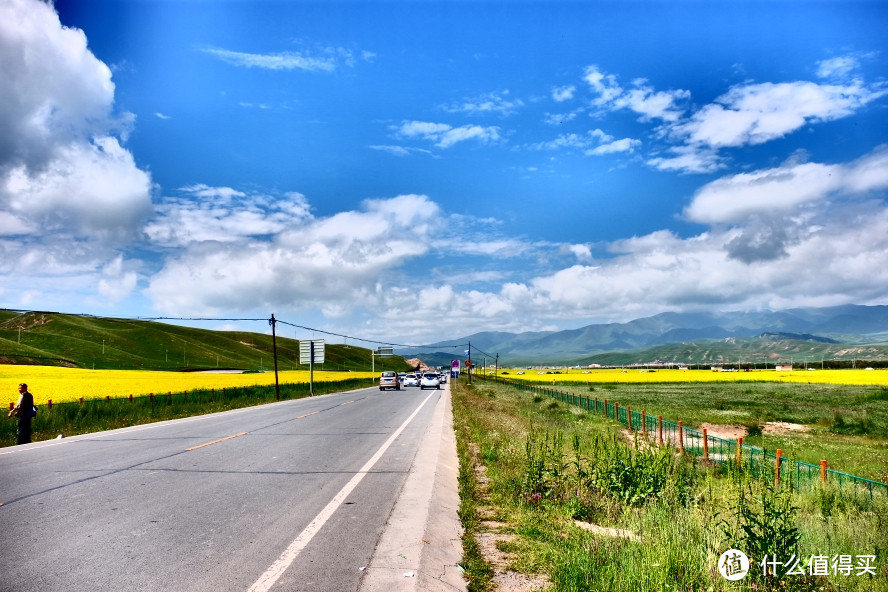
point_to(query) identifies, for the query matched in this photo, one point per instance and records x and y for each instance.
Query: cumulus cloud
(327, 263)
(223, 215)
(563, 93)
(70, 192)
(785, 189)
(757, 113)
(640, 98)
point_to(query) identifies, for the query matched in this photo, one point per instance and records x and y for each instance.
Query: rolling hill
(55, 339)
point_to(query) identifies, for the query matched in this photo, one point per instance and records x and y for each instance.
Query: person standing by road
(24, 409)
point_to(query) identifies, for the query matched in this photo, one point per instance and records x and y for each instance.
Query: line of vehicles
(390, 379)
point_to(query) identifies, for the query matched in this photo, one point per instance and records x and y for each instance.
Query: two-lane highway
(287, 496)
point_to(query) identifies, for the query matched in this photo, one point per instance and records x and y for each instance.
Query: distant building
(783, 367)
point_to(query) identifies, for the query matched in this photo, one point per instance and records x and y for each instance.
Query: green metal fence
(761, 463)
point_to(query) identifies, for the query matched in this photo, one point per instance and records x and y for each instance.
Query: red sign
(468, 363)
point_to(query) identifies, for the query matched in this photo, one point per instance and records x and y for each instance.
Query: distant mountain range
(838, 332)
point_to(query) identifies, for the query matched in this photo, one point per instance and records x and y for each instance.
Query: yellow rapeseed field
(70, 384)
(635, 375)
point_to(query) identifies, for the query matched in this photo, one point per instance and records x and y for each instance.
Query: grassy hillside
(54, 339)
(748, 351)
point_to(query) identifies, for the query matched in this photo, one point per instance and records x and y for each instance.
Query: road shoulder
(422, 541)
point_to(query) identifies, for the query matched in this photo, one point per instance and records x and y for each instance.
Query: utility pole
(277, 387)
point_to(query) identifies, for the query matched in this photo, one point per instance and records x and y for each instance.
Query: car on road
(410, 380)
(389, 380)
(429, 380)
(442, 376)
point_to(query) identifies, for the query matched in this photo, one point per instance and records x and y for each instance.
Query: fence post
(131, 397)
(629, 416)
(49, 404)
(12, 405)
(778, 454)
(660, 430)
(681, 443)
(605, 408)
(617, 411)
(81, 400)
(596, 405)
(705, 446)
(108, 398)
(823, 472)
(739, 449)
(644, 425)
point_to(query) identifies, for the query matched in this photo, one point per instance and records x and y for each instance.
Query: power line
(241, 319)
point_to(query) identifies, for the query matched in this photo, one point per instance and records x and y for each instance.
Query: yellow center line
(308, 414)
(346, 403)
(216, 441)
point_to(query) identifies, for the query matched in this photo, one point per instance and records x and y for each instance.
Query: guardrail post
(681, 444)
(823, 472)
(778, 454)
(705, 445)
(660, 430)
(739, 449)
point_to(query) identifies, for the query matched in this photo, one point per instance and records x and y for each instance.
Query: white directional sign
(305, 351)
(385, 352)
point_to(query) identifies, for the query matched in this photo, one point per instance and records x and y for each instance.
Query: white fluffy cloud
(70, 192)
(329, 263)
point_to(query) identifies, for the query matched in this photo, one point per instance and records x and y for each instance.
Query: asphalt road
(286, 496)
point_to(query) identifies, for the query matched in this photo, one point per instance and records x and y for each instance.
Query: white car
(410, 380)
(429, 380)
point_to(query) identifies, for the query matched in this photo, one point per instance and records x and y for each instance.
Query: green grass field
(558, 493)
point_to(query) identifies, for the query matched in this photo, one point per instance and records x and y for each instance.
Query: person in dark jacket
(24, 410)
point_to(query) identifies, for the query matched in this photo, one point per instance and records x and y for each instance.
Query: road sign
(385, 352)
(305, 350)
(454, 364)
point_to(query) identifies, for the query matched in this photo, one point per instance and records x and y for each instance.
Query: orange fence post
(660, 430)
(49, 404)
(616, 411)
(777, 467)
(739, 449)
(596, 405)
(823, 472)
(81, 400)
(681, 443)
(705, 445)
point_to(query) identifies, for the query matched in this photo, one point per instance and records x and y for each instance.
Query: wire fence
(761, 463)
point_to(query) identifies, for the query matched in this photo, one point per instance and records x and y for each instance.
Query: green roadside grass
(846, 425)
(537, 476)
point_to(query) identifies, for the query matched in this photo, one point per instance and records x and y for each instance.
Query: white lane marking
(271, 575)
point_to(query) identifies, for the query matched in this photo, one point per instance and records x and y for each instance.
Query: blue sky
(417, 171)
